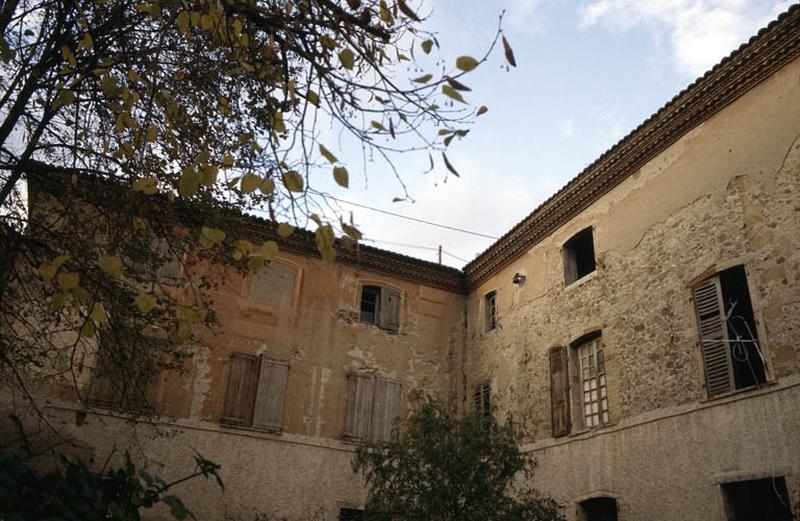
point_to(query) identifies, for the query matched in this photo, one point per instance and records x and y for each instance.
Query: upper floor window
(274, 285)
(380, 306)
(732, 358)
(254, 392)
(593, 396)
(490, 311)
(373, 404)
(578, 255)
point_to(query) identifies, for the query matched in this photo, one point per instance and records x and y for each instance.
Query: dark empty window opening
(598, 509)
(370, 300)
(351, 514)
(579, 256)
(490, 311)
(757, 500)
(746, 361)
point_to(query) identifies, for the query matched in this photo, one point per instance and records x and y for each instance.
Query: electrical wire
(400, 216)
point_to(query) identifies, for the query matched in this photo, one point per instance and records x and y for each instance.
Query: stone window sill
(581, 281)
(233, 425)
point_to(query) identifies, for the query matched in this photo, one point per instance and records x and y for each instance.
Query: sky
(588, 72)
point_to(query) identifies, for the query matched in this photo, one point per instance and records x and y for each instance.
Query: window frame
(482, 400)
(385, 296)
(295, 293)
(577, 384)
(260, 395)
(569, 256)
(700, 285)
(491, 316)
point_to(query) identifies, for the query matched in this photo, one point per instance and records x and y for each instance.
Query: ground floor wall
(670, 464)
(266, 477)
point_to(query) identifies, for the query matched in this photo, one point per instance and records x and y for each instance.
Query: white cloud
(566, 128)
(700, 32)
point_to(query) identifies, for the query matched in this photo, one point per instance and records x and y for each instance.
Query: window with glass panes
(594, 395)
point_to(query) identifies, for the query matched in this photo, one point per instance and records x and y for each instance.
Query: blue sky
(589, 71)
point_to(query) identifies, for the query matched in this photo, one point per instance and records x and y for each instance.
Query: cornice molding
(767, 52)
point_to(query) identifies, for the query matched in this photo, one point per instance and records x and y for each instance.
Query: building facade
(642, 327)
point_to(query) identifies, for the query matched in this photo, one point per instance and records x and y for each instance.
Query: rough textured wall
(307, 466)
(725, 194)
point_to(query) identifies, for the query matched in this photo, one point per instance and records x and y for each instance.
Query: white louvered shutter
(268, 413)
(714, 345)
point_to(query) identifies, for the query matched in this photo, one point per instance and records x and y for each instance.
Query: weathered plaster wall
(724, 194)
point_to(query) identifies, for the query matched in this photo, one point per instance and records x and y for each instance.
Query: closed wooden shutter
(389, 309)
(385, 409)
(360, 393)
(710, 311)
(268, 412)
(559, 391)
(240, 391)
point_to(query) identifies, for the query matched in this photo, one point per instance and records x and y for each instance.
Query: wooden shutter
(385, 409)
(268, 411)
(708, 305)
(360, 393)
(240, 391)
(389, 309)
(559, 391)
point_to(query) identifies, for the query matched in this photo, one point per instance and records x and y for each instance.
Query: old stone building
(642, 326)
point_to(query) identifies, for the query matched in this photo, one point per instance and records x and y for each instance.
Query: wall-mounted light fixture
(519, 278)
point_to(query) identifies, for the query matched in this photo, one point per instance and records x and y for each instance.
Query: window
(127, 372)
(351, 514)
(578, 255)
(490, 311)
(482, 396)
(274, 285)
(757, 500)
(254, 392)
(373, 404)
(580, 370)
(592, 373)
(598, 509)
(380, 306)
(728, 338)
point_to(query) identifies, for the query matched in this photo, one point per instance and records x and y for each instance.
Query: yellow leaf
(352, 231)
(99, 313)
(146, 185)
(376, 125)
(482, 110)
(325, 239)
(86, 42)
(313, 98)
(268, 250)
(347, 58)
(267, 186)
(80, 294)
(509, 53)
(68, 280)
(227, 161)
(250, 182)
(60, 260)
(67, 54)
(244, 246)
(452, 93)
(133, 76)
(87, 331)
(466, 63)
(152, 133)
(327, 154)
(427, 45)
(189, 182)
(341, 176)
(293, 181)
(145, 302)
(423, 79)
(65, 97)
(255, 263)
(278, 124)
(183, 21)
(111, 265)
(213, 235)
(47, 271)
(285, 230)
(209, 175)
